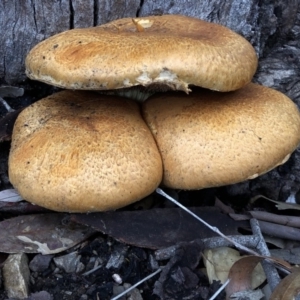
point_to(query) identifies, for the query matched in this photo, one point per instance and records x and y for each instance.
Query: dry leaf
(240, 272)
(219, 261)
(240, 275)
(10, 195)
(288, 288)
(40, 233)
(140, 228)
(279, 205)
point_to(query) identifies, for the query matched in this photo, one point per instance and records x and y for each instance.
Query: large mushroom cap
(171, 50)
(211, 139)
(80, 151)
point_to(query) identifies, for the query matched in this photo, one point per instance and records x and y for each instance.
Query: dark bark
(266, 24)
(25, 23)
(272, 26)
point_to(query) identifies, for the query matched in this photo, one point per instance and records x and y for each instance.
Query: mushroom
(87, 152)
(171, 51)
(78, 151)
(209, 139)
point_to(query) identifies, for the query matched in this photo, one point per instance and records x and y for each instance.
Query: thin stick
(219, 290)
(214, 229)
(135, 285)
(6, 105)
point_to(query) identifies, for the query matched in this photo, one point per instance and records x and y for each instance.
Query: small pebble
(68, 293)
(117, 257)
(40, 263)
(42, 295)
(16, 276)
(68, 262)
(135, 295)
(153, 262)
(117, 278)
(117, 290)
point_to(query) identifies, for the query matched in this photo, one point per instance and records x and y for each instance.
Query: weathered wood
(255, 20)
(25, 23)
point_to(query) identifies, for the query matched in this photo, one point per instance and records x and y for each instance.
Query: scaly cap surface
(209, 139)
(81, 151)
(172, 50)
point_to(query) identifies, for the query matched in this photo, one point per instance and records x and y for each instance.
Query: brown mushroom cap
(211, 139)
(172, 50)
(80, 151)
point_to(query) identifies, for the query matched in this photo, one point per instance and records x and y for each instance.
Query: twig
(278, 219)
(211, 243)
(135, 285)
(268, 266)
(220, 290)
(6, 105)
(92, 271)
(214, 229)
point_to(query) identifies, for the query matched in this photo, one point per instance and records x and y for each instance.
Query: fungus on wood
(82, 151)
(79, 151)
(172, 50)
(209, 139)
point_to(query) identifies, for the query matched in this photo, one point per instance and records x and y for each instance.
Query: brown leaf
(219, 261)
(158, 228)
(279, 205)
(43, 233)
(288, 288)
(240, 272)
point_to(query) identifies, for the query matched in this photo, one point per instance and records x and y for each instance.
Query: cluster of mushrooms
(84, 151)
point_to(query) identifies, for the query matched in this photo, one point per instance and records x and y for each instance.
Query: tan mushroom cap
(80, 152)
(171, 50)
(209, 139)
